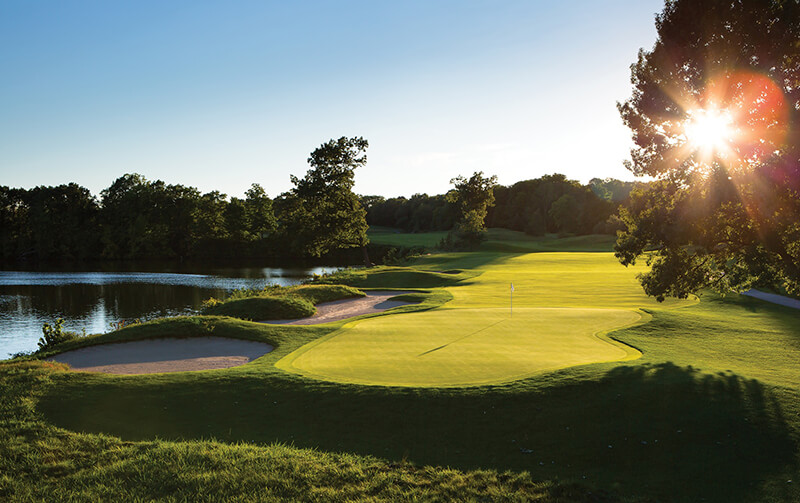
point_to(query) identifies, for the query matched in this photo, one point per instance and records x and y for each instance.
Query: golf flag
(511, 301)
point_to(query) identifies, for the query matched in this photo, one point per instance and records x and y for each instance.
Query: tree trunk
(367, 263)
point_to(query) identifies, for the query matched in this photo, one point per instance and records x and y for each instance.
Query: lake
(92, 301)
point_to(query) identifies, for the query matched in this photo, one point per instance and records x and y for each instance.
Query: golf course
(565, 305)
(584, 390)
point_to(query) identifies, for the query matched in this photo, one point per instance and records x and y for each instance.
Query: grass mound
(317, 294)
(264, 308)
(278, 303)
(398, 277)
(713, 402)
(39, 462)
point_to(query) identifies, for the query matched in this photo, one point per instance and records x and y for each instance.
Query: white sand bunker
(374, 302)
(164, 355)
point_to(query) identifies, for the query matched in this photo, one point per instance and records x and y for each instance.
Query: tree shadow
(661, 431)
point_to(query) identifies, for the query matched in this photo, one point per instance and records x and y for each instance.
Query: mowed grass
(714, 402)
(497, 240)
(564, 302)
(394, 237)
(709, 412)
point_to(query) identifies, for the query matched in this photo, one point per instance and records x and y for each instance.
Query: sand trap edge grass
(164, 355)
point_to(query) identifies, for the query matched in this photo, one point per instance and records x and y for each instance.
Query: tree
(321, 213)
(715, 115)
(473, 196)
(144, 219)
(258, 212)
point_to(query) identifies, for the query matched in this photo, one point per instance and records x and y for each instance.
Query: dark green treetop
(725, 210)
(473, 196)
(321, 213)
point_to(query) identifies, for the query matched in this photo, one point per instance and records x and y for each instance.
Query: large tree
(321, 213)
(473, 196)
(715, 116)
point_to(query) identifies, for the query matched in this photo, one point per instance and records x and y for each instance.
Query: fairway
(563, 303)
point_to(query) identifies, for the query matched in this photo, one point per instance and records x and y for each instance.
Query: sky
(220, 95)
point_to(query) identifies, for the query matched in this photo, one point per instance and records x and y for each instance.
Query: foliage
(54, 334)
(419, 213)
(399, 256)
(119, 325)
(48, 223)
(321, 213)
(550, 204)
(723, 215)
(473, 196)
(612, 189)
(141, 219)
(134, 219)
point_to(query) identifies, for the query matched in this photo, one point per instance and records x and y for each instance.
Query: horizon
(221, 97)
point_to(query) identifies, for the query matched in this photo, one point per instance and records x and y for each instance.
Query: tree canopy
(321, 213)
(714, 114)
(473, 196)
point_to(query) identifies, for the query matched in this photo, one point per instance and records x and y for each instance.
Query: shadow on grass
(658, 431)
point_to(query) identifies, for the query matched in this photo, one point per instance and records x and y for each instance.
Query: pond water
(92, 301)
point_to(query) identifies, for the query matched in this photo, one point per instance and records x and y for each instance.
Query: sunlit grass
(564, 301)
(713, 402)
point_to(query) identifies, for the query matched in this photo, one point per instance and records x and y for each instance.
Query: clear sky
(219, 95)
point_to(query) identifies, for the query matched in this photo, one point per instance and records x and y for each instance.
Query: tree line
(136, 218)
(550, 204)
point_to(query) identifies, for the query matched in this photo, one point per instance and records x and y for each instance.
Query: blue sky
(219, 95)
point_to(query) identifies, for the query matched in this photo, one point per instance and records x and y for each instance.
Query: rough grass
(398, 277)
(276, 303)
(710, 412)
(264, 308)
(39, 462)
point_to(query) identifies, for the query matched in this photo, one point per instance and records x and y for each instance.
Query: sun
(710, 130)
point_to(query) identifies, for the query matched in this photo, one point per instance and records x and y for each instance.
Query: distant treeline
(133, 219)
(136, 218)
(550, 204)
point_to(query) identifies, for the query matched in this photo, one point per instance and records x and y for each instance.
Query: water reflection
(91, 301)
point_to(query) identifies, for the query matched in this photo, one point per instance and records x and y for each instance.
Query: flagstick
(511, 301)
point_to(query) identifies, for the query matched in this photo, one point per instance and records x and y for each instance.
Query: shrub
(399, 256)
(54, 334)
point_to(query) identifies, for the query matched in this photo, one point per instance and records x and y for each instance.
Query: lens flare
(710, 130)
(740, 120)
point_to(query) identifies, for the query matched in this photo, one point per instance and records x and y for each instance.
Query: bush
(54, 334)
(400, 256)
(458, 240)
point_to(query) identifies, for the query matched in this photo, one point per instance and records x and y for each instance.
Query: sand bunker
(164, 355)
(374, 302)
(204, 353)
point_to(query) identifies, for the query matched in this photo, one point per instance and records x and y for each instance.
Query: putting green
(563, 303)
